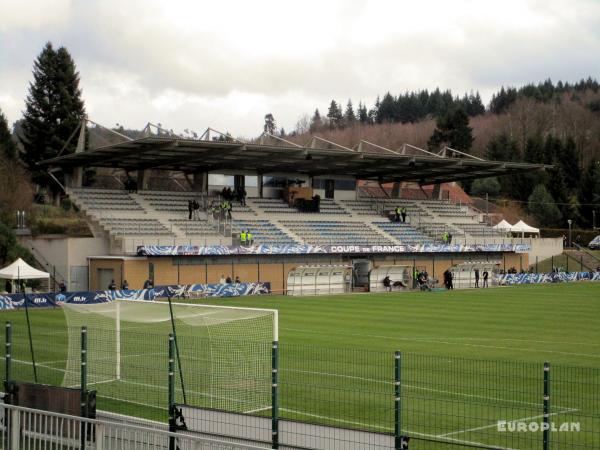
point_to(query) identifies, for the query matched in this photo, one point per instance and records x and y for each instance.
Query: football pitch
(470, 358)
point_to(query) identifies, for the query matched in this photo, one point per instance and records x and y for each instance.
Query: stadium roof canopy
(366, 161)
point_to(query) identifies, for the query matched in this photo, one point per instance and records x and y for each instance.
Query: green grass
(470, 358)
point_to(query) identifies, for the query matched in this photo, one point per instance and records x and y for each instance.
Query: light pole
(570, 241)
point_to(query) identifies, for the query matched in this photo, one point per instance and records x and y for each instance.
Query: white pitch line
(523, 419)
(39, 365)
(437, 341)
(422, 388)
(449, 440)
(414, 433)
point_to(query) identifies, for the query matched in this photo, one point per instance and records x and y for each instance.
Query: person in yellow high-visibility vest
(243, 238)
(250, 238)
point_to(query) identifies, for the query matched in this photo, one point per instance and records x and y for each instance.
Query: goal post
(224, 351)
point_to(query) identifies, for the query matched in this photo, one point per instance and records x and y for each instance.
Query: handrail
(586, 251)
(44, 262)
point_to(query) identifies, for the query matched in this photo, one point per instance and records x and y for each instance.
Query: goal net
(223, 353)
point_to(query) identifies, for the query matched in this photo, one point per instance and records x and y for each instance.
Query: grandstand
(350, 213)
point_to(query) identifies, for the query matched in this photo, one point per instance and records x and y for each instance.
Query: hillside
(569, 113)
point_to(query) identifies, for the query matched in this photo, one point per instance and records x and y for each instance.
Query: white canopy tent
(20, 270)
(502, 226)
(522, 227)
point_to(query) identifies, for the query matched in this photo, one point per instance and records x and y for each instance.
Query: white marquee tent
(503, 226)
(20, 270)
(522, 227)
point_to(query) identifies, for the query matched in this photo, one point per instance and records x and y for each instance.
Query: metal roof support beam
(127, 138)
(206, 136)
(405, 145)
(265, 134)
(463, 153)
(335, 144)
(376, 146)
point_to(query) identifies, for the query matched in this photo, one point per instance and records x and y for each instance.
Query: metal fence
(32, 429)
(328, 398)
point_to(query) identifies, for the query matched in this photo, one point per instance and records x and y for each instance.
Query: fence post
(7, 354)
(171, 390)
(14, 430)
(546, 434)
(398, 401)
(275, 394)
(84, 412)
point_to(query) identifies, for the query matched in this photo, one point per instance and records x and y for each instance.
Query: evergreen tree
(386, 112)
(8, 149)
(316, 122)
(453, 130)
(363, 115)
(541, 206)
(349, 116)
(270, 124)
(568, 160)
(504, 148)
(589, 194)
(53, 110)
(334, 115)
(484, 186)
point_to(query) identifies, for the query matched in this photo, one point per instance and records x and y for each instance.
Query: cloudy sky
(225, 64)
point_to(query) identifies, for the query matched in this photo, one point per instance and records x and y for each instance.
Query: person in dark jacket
(476, 278)
(387, 283)
(112, 286)
(190, 209)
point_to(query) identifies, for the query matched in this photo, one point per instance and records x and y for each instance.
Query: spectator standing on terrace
(403, 212)
(249, 237)
(190, 209)
(148, 284)
(237, 279)
(397, 214)
(222, 279)
(485, 278)
(228, 280)
(476, 277)
(112, 286)
(62, 287)
(449, 238)
(125, 285)
(243, 238)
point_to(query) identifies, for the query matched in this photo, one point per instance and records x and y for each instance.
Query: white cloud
(191, 64)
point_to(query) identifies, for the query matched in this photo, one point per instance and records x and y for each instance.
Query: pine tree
(363, 114)
(453, 130)
(334, 115)
(541, 206)
(568, 160)
(349, 116)
(589, 194)
(270, 124)
(316, 122)
(53, 110)
(8, 149)
(386, 112)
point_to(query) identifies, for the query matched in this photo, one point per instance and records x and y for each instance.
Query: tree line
(567, 190)
(414, 106)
